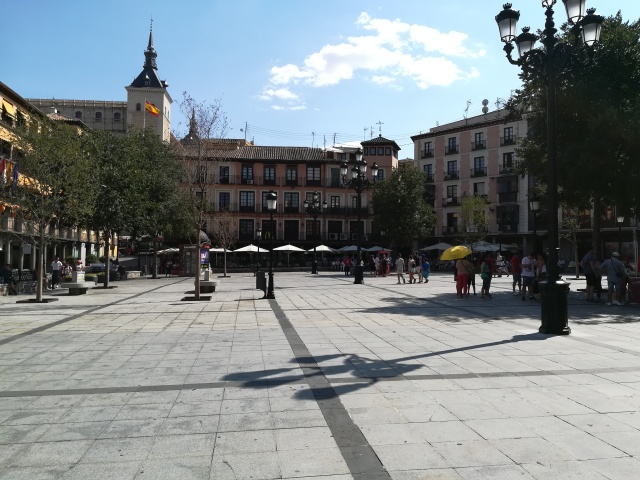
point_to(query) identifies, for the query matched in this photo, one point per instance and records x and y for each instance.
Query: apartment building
(476, 156)
(240, 176)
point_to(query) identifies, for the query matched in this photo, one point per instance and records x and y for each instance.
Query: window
(313, 229)
(508, 133)
(452, 193)
(247, 174)
(201, 198)
(380, 150)
(452, 146)
(291, 202)
(479, 137)
(507, 185)
(246, 229)
(202, 174)
(478, 141)
(508, 162)
(78, 114)
(292, 174)
(380, 175)
(98, 116)
(224, 200)
(452, 169)
(372, 151)
(479, 188)
(342, 157)
(354, 202)
(313, 176)
(224, 174)
(269, 175)
(309, 198)
(117, 117)
(366, 150)
(247, 200)
(387, 151)
(138, 107)
(428, 150)
(335, 202)
(478, 166)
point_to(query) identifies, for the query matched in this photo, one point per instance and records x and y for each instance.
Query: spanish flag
(152, 109)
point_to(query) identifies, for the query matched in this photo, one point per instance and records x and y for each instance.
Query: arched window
(138, 107)
(117, 117)
(98, 116)
(78, 114)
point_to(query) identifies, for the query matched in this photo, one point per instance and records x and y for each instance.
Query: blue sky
(297, 72)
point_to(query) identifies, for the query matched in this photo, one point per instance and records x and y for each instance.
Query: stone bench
(208, 286)
(77, 288)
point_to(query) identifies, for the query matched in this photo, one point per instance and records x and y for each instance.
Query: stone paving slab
(330, 380)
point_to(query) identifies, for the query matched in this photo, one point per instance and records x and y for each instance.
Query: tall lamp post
(258, 237)
(272, 202)
(359, 183)
(547, 63)
(534, 206)
(620, 221)
(314, 209)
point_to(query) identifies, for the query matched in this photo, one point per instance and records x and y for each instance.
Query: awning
(11, 110)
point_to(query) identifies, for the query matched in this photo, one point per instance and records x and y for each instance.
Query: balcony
(478, 145)
(452, 175)
(511, 227)
(292, 182)
(449, 230)
(508, 197)
(426, 153)
(507, 169)
(478, 172)
(504, 141)
(316, 182)
(450, 201)
(451, 149)
(430, 177)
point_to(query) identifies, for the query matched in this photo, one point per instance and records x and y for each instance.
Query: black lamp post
(272, 202)
(259, 237)
(534, 206)
(359, 183)
(620, 220)
(547, 63)
(314, 209)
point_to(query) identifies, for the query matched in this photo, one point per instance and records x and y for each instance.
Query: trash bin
(634, 289)
(261, 281)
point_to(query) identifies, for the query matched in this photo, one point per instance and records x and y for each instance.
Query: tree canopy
(400, 208)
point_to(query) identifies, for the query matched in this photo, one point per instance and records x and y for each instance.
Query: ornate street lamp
(359, 183)
(314, 209)
(547, 63)
(258, 237)
(534, 206)
(272, 202)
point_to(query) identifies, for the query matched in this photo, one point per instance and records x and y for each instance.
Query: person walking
(528, 267)
(426, 269)
(347, 265)
(56, 273)
(616, 274)
(516, 273)
(541, 275)
(588, 265)
(472, 275)
(485, 274)
(400, 269)
(462, 267)
(411, 266)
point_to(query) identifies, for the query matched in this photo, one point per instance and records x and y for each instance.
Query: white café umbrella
(251, 249)
(289, 248)
(438, 246)
(374, 249)
(321, 248)
(485, 247)
(349, 248)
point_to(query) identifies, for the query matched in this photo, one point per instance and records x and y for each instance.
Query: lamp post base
(358, 273)
(270, 294)
(554, 307)
(314, 267)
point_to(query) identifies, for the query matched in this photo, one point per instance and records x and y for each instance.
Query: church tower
(148, 101)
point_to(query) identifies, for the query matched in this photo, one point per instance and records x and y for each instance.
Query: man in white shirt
(616, 273)
(400, 268)
(56, 272)
(528, 275)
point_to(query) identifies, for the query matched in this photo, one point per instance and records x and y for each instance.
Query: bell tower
(148, 100)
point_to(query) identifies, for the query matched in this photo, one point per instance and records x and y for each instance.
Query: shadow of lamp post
(547, 63)
(272, 202)
(359, 183)
(315, 209)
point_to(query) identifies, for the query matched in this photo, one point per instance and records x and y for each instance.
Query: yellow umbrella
(454, 253)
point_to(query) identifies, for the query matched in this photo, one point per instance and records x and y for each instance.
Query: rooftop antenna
(334, 139)
(499, 103)
(466, 111)
(324, 142)
(371, 133)
(485, 109)
(365, 134)
(245, 131)
(313, 138)
(380, 127)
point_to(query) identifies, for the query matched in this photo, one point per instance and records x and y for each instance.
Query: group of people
(617, 272)
(465, 276)
(418, 268)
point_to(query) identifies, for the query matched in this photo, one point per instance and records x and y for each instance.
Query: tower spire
(150, 53)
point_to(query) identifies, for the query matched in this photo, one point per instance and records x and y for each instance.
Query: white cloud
(393, 50)
(280, 93)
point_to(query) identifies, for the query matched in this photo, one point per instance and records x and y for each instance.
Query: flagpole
(144, 116)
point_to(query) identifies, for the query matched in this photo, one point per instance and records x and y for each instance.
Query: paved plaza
(330, 380)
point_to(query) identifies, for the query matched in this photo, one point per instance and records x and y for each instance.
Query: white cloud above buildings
(392, 53)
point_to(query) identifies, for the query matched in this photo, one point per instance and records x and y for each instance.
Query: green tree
(52, 189)
(598, 123)
(400, 208)
(473, 219)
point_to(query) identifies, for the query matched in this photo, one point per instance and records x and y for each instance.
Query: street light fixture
(547, 63)
(258, 237)
(534, 206)
(359, 183)
(314, 209)
(620, 220)
(272, 202)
